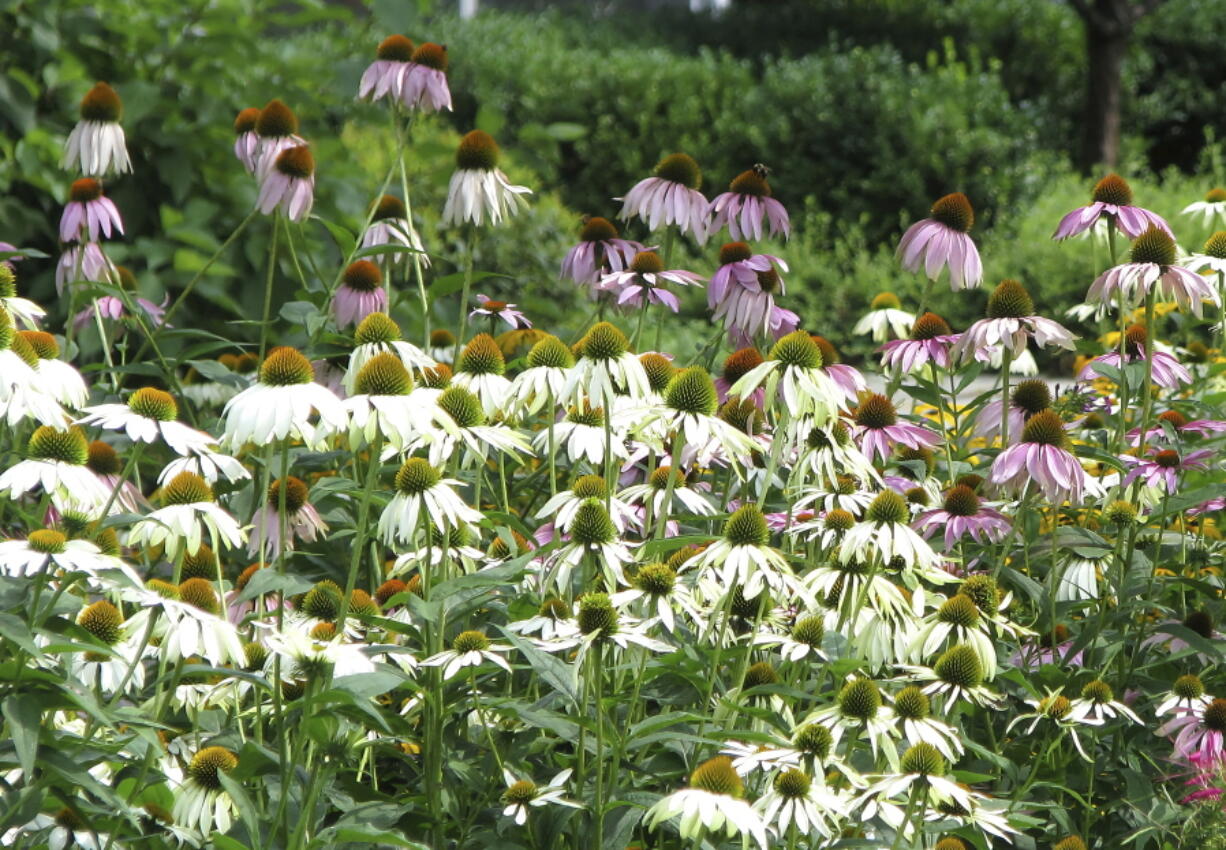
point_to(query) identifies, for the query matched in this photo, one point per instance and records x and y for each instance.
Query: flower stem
(360, 529)
(598, 680)
(272, 266)
(1006, 363)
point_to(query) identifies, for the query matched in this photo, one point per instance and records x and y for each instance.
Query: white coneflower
(48, 547)
(793, 374)
(593, 535)
(655, 589)
(23, 390)
(56, 460)
(384, 402)
(859, 710)
(469, 649)
(149, 414)
(654, 490)
(563, 506)
(914, 711)
(797, 800)
(302, 521)
(201, 804)
(23, 311)
(958, 674)
(712, 803)
(548, 371)
(189, 621)
(583, 436)
(554, 621)
(884, 532)
(606, 368)
(288, 184)
(743, 560)
(188, 511)
(479, 191)
(464, 426)
(803, 641)
(956, 620)
(690, 404)
(828, 451)
(96, 144)
(56, 378)
(321, 648)
(209, 465)
(108, 669)
(885, 316)
(279, 405)
(524, 794)
(921, 770)
(1186, 696)
(1097, 704)
(421, 491)
(481, 369)
(376, 334)
(1213, 206)
(1079, 580)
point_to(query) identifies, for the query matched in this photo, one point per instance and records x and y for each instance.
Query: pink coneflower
(1113, 198)
(277, 129)
(1209, 506)
(361, 293)
(644, 278)
(1152, 265)
(112, 308)
(1207, 776)
(478, 189)
(1052, 648)
(846, 378)
(746, 203)
(600, 250)
(1199, 734)
(246, 139)
(745, 299)
(1162, 467)
(930, 340)
(89, 214)
(671, 196)
(1180, 425)
(501, 310)
(878, 430)
(96, 144)
(1025, 400)
(1011, 323)
(962, 515)
(942, 240)
(83, 262)
(302, 521)
(289, 184)
(390, 225)
(424, 83)
(1042, 457)
(736, 366)
(1165, 370)
(385, 75)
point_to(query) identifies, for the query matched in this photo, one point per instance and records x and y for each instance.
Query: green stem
(360, 529)
(1006, 363)
(598, 679)
(272, 266)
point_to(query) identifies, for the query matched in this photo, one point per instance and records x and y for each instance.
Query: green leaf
(447, 284)
(268, 581)
(24, 715)
(246, 809)
(560, 675)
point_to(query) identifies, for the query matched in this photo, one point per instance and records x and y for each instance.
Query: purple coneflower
(289, 184)
(277, 129)
(361, 293)
(1113, 198)
(961, 515)
(644, 278)
(302, 521)
(746, 203)
(501, 310)
(1152, 264)
(1025, 400)
(1165, 370)
(424, 82)
(478, 189)
(600, 250)
(390, 225)
(929, 342)
(83, 261)
(942, 240)
(736, 366)
(246, 139)
(96, 144)
(1011, 323)
(847, 378)
(88, 214)
(1162, 467)
(878, 430)
(749, 310)
(385, 75)
(1199, 734)
(1042, 457)
(1180, 425)
(671, 196)
(112, 307)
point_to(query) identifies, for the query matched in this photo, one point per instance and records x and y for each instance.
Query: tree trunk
(1105, 50)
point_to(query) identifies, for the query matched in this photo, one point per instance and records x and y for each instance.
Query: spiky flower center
(1200, 622)
(912, 704)
(813, 739)
(655, 579)
(295, 494)
(647, 262)
(85, 190)
(276, 120)
(1045, 428)
(809, 631)
(982, 590)
(43, 343)
(1215, 715)
(362, 605)
(1098, 691)
(604, 341)
(1031, 396)
(1176, 419)
(717, 776)
(597, 615)
(797, 349)
(930, 326)
(923, 758)
(950, 843)
(286, 367)
(362, 276)
(245, 121)
(1010, 300)
(955, 212)
(19, 346)
(436, 377)
(960, 667)
(153, 403)
(762, 673)
(885, 301)
(552, 353)
(747, 527)
(442, 338)
(769, 282)
(680, 168)
(888, 508)
(961, 500)
(8, 281)
(750, 182)
(477, 152)
(520, 793)
(1167, 459)
(470, 641)
(208, 764)
(62, 446)
(431, 55)
(200, 564)
(793, 784)
(1113, 190)
(101, 103)
(1215, 245)
(659, 369)
(734, 252)
(416, 476)
(164, 589)
(554, 608)
(103, 459)
(186, 488)
(840, 521)
(658, 480)
(103, 621)
(389, 589)
(199, 593)
(482, 356)
(859, 699)
(1155, 245)
(1056, 707)
(1188, 687)
(876, 411)
(395, 48)
(383, 374)
(255, 654)
(959, 610)
(1120, 512)
(740, 363)
(296, 162)
(590, 487)
(597, 229)
(692, 391)
(462, 406)
(1071, 843)
(591, 525)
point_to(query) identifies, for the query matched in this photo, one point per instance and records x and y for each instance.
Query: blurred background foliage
(865, 110)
